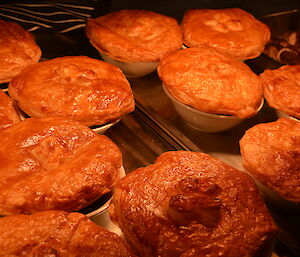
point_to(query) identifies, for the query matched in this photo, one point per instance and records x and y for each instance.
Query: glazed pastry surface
(86, 90)
(17, 50)
(8, 114)
(53, 163)
(191, 204)
(57, 233)
(282, 89)
(211, 81)
(232, 31)
(134, 35)
(271, 154)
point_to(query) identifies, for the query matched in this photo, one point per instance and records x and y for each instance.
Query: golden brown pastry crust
(17, 50)
(282, 89)
(191, 204)
(53, 163)
(231, 31)
(86, 90)
(8, 114)
(134, 35)
(212, 82)
(57, 233)
(271, 154)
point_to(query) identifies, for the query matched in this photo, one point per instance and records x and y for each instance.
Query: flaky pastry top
(211, 81)
(57, 233)
(271, 154)
(86, 90)
(17, 50)
(191, 204)
(54, 163)
(8, 114)
(230, 30)
(282, 89)
(134, 35)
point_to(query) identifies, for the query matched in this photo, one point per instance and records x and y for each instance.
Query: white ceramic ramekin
(134, 69)
(101, 129)
(273, 197)
(281, 114)
(202, 121)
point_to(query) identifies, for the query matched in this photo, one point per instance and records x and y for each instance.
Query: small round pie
(212, 82)
(232, 31)
(86, 90)
(57, 233)
(54, 163)
(191, 204)
(134, 35)
(8, 114)
(271, 154)
(17, 50)
(282, 89)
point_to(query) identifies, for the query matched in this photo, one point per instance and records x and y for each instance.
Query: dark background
(176, 8)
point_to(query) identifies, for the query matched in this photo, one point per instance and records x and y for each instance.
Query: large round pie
(53, 163)
(57, 233)
(212, 82)
(271, 154)
(232, 31)
(17, 50)
(86, 90)
(134, 35)
(282, 89)
(191, 204)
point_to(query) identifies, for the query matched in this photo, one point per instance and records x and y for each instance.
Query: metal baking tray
(154, 127)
